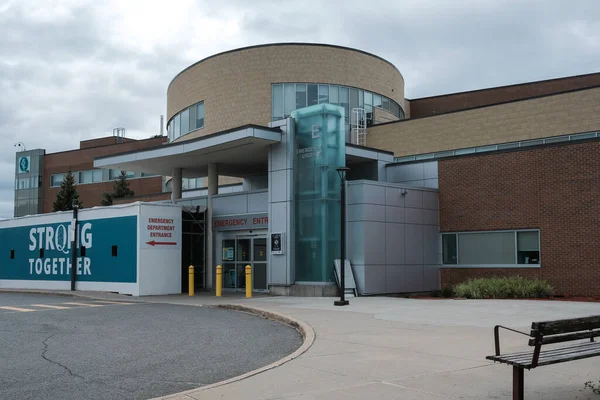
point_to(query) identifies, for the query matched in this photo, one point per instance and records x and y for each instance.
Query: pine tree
(120, 189)
(66, 194)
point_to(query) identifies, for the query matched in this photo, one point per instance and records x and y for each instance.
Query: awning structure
(359, 154)
(238, 152)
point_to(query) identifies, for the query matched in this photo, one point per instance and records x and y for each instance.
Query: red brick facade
(434, 105)
(83, 159)
(555, 189)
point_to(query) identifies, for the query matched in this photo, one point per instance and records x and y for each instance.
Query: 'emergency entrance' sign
(161, 232)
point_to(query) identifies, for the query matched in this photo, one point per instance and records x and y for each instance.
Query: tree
(66, 194)
(120, 190)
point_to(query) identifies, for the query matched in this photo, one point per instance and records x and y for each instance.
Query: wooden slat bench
(545, 333)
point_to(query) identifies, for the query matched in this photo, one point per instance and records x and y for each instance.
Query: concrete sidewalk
(393, 348)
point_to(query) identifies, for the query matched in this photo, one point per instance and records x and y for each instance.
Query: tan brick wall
(381, 116)
(553, 188)
(528, 119)
(236, 86)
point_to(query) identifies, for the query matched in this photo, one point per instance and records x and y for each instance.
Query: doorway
(193, 249)
(239, 251)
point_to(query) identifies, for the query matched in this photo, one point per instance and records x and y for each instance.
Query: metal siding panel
(395, 278)
(413, 216)
(394, 244)
(413, 235)
(415, 278)
(374, 245)
(394, 197)
(414, 198)
(394, 214)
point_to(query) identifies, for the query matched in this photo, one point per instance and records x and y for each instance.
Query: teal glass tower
(320, 148)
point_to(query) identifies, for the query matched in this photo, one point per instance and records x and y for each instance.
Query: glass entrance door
(239, 251)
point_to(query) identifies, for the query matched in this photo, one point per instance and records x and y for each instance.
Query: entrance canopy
(238, 152)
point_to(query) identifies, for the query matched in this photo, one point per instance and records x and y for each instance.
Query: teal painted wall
(98, 265)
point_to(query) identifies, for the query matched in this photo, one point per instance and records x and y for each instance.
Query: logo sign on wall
(43, 252)
(277, 243)
(24, 163)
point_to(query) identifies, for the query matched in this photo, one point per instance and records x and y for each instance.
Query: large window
(95, 175)
(186, 121)
(287, 97)
(502, 248)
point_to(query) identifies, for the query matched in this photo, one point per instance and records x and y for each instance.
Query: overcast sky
(75, 69)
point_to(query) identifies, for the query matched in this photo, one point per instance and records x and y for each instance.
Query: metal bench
(550, 332)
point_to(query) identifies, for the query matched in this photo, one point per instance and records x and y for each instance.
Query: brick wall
(236, 86)
(555, 189)
(555, 115)
(76, 160)
(459, 101)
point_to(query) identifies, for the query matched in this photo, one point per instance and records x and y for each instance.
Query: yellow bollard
(248, 281)
(191, 280)
(219, 287)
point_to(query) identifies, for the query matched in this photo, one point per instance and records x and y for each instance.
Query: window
(177, 129)
(344, 95)
(289, 94)
(528, 247)
(277, 102)
(487, 248)
(449, 249)
(377, 100)
(480, 249)
(334, 95)
(312, 96)
(86, 176)
(114, 174)
(368, 98)
(200, 115)
(56, 179)
(385, 103)
(23, 183)
(353, 98)
(185, 121)
(323, 94)
(97, 175)
(300, 95)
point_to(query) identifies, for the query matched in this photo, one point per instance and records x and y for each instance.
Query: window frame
(515, 265)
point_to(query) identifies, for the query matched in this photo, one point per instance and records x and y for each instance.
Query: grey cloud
(63, 80)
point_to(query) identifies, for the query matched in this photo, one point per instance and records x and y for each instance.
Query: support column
(213, 188)
(176, 184)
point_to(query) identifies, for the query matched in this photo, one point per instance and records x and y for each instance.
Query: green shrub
(446, 292)
(503, 288)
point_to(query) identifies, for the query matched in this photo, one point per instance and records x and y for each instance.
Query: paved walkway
(393, 348)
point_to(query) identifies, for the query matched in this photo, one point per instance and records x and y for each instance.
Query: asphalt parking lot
(56, 347)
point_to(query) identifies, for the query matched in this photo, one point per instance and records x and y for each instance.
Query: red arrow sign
(155, 243)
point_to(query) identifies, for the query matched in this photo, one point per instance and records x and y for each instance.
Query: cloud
(75, 69)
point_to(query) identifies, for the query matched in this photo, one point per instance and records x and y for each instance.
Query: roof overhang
(359, 154)
(238, 152)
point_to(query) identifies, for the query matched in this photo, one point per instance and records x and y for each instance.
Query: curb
(307, 332)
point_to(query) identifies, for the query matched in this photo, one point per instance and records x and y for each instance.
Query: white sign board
(160, 232)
